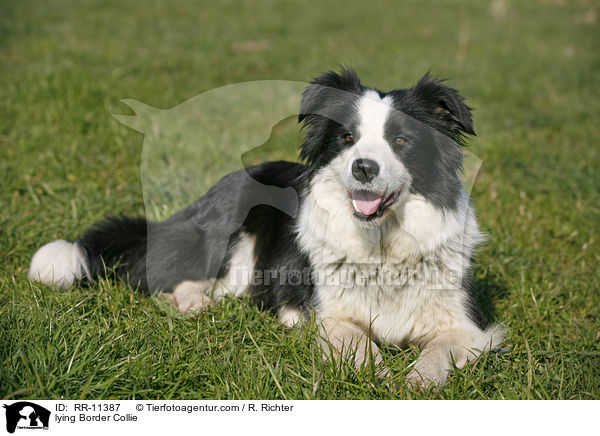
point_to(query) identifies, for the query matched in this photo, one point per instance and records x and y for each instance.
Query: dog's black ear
(445, 104)
(325, 101)
(320, 89)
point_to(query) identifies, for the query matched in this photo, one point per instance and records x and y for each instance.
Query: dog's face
(382, 147)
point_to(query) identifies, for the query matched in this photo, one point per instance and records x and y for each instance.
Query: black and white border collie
(379, 247)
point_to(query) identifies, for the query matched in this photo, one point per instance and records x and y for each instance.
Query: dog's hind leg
(190, 296)
(290, 316)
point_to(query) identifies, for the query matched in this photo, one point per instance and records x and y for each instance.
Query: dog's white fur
(191, 295)
(59, 264)
(241, 269)
(290, 316)
(373, 112)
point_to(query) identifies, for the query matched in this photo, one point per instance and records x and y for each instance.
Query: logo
(26, 415)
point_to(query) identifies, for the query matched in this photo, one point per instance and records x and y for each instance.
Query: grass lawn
(531, 69)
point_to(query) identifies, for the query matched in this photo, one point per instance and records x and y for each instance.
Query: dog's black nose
(365, 170)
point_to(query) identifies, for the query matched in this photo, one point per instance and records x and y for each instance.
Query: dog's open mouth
(370, 205)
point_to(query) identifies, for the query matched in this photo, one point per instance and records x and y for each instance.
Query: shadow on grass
(487, 290)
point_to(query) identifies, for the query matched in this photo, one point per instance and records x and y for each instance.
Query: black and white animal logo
(26, 415)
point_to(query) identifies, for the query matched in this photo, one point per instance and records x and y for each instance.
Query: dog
(378, 245)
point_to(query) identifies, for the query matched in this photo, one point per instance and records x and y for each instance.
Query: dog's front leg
(345, 339)
(432, 366)
(451, 348)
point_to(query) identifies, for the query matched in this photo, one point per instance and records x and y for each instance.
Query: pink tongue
(366, 202)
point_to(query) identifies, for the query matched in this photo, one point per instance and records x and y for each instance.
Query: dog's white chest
(402, 280)
(396, 301)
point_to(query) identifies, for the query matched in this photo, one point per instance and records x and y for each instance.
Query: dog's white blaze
(59, 264)
(373, 111)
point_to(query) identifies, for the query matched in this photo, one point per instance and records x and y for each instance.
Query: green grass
(531, 70)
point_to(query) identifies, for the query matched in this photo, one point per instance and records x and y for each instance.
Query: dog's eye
(348, 137)
(400, 140)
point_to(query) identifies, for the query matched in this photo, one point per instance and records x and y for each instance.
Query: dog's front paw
(425, 375)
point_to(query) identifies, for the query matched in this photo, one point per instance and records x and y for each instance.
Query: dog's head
(384, 146)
